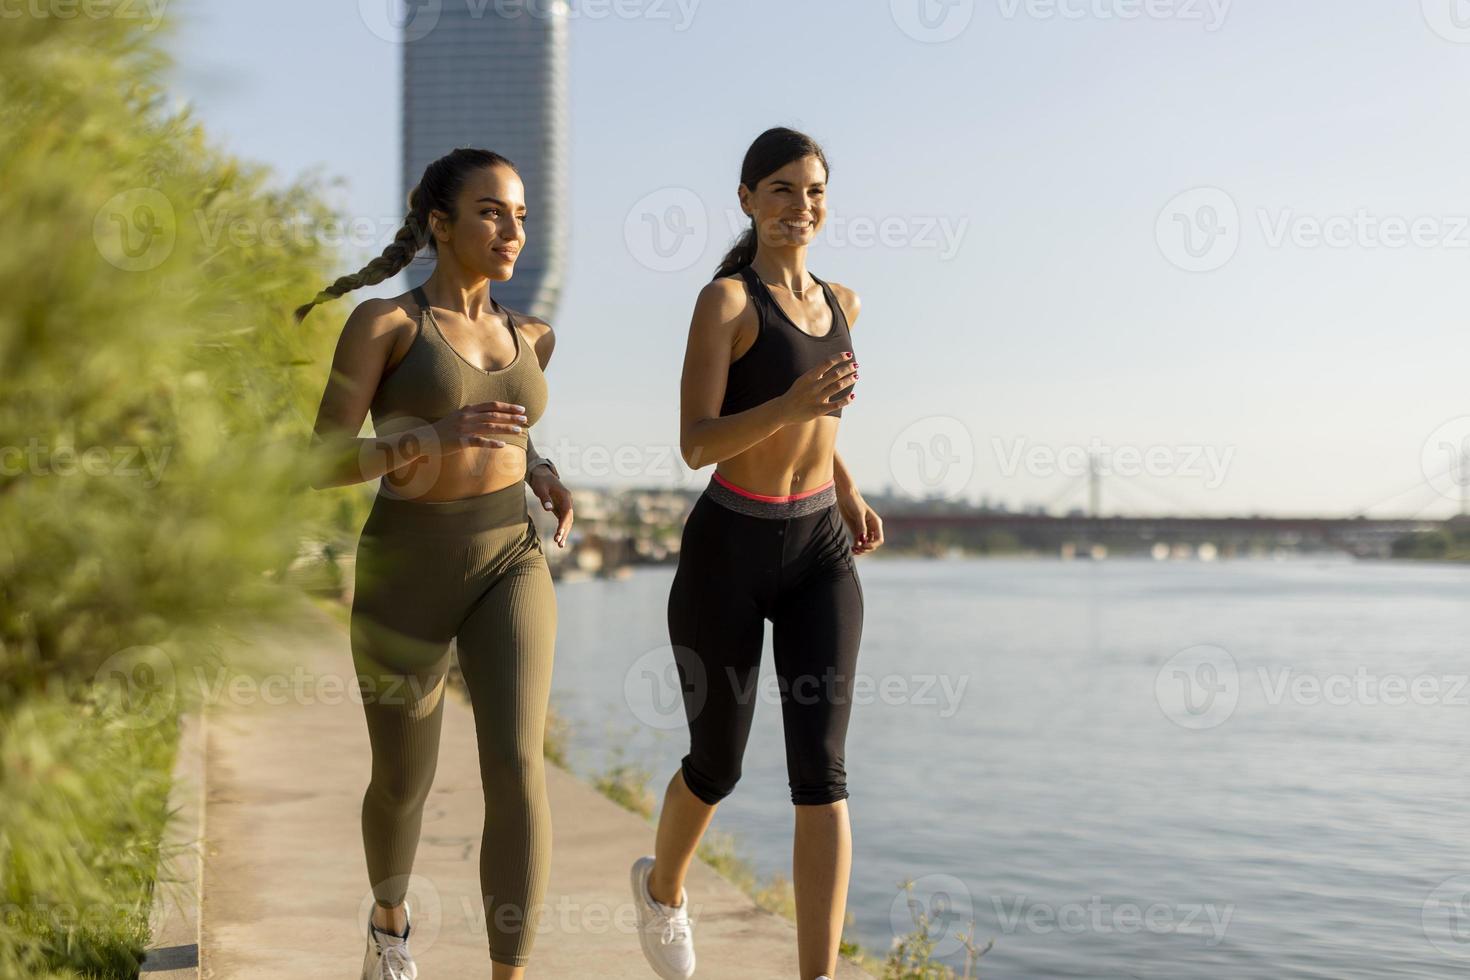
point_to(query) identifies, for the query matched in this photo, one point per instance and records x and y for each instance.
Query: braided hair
(437, 190)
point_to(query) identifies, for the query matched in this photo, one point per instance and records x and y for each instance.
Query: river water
(1123, 768)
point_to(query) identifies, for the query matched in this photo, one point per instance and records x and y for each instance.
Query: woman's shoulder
(725, 294)
(534, 326)
(537, 331)
(847, 298)
(381, 315)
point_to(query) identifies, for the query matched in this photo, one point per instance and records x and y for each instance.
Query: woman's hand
(861, 520)
(555, 497)
(807, 398)
(474, 425)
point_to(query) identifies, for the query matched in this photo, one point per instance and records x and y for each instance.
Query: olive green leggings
(472, 571)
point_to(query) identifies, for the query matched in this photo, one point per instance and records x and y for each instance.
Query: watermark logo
(135, 230)
(1445, 458)
(400, 20)
(146, 678)
(942, 903)
(1210, 13)
(1363, 229)
(653, 462)
(932, 21)
(1450, 19)
(1198, 687)
(152, 10)
(943, 235)
(932, 457)
(655, 686)
(1363, 687)
(678, 13)
(1446, 917)
(831, 687)
(1208, 464)
(1199, 230)
(413, 453)
(1102, 917)
(667, 230)
(425, 908)
(40, 459)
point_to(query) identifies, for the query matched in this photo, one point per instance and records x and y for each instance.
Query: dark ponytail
(771, 151)
(437, 190)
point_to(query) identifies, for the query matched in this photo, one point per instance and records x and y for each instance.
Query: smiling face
(790, 205)
(488, 230)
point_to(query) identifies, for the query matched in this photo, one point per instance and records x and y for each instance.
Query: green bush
(156, 409)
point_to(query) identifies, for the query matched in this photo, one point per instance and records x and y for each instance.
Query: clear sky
(1289, 336)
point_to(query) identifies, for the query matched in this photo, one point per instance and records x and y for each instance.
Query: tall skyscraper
(493, 75)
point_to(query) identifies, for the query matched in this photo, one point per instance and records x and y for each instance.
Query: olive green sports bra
(434, 380)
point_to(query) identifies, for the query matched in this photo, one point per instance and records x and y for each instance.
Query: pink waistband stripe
(768, 499)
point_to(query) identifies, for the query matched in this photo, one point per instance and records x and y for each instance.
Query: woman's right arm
(707, 437)
(343, 457)
(704, 435)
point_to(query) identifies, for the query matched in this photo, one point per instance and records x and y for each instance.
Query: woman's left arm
(863, 521)
(541, 473)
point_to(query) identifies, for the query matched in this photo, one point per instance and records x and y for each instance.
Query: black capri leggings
(744, 559)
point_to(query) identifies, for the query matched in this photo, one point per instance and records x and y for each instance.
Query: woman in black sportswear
(768, 368)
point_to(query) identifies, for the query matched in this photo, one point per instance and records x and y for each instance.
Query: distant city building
(494, 76)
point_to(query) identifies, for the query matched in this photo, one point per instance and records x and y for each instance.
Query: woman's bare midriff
(474, 471)
(793, 459)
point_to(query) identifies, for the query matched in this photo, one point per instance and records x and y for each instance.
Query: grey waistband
(777, 509)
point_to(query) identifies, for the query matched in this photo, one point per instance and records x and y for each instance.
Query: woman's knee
(513, 774)
(818, 776)
(818, 794)
(710, 780)
(401, 789)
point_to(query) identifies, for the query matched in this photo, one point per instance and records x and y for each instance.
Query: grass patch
(86, 794)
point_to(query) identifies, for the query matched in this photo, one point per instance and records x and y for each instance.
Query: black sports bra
(782, 351)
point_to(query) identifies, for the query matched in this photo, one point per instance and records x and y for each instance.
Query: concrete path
(285, 890)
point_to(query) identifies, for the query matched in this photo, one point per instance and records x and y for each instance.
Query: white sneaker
(387, 956)
(664, 930)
